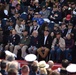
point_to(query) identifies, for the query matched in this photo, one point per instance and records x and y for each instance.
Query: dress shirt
(45, 37)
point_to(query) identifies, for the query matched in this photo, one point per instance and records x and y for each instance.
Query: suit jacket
(34, 41)
(47, 43)
(14, 39)
(66, 30)
(61, 43)
(73, 31)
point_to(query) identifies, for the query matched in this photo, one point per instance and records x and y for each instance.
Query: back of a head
(25, 70)
(12, 71)
(51, 63)
(34, 68)
(14, 64)
(43, 71)
(3, 64)
(10, 58)
(55, 73)
(65, 63)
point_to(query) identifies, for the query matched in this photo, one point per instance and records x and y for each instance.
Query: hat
(71, 68)
(8, 53)
(68, 17)
(30, 57)
(42, 64)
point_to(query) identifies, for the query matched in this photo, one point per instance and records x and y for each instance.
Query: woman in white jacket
(20, 26)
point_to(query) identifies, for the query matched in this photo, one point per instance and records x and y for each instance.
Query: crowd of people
(10, 66)
(45, 28)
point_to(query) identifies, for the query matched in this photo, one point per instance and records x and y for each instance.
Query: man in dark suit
(33, 42)
(70, 30)
(13, 40)
(44, 45)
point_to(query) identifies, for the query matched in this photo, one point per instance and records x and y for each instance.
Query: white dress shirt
(45, 37)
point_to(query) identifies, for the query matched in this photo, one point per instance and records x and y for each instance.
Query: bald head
(50, 63)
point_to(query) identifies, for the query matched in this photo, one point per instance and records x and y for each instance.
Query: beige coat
(61, 43)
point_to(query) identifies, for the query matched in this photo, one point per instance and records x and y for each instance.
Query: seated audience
(24, 43)
(69, 41)
(44, 45)
(58, 46)
(34, 42)
(13, 39)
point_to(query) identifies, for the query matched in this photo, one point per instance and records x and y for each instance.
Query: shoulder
(62, 39)
(17, 35)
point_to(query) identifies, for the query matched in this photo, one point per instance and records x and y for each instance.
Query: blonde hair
(43, 71)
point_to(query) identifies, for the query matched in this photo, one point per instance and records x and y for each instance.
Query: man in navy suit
(34, 42)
